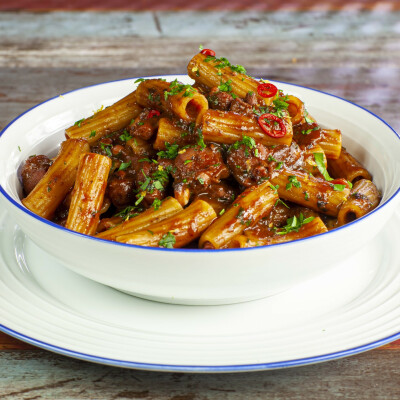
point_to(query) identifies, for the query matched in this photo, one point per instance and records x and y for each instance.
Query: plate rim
(200, 368)
(4, 193)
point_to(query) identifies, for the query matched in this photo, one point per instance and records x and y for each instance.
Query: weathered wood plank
(375, 89)
(368, 376)
(128, 53)
(233, 5)
(268, 26)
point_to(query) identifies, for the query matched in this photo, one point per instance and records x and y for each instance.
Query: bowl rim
(185, 250)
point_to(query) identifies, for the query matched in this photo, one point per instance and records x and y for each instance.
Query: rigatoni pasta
(228, 162)
(88, 193)
(51, 190)
(105, 121)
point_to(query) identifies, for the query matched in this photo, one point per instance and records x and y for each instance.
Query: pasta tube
(111, 119)
(309, 161)
(310, 192)
(314, 227)
(228, 127)
(168, 132)
(331, 143)
(212, 72)
(88, 193)
(252, 205)
(330, 140)
(139, 146)
(346, 166)
(364, 197)
(175, 231)
(168, 208)
(183, 100)
(51, 190)
(295, 108)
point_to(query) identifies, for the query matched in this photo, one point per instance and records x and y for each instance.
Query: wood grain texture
(236, 5)
(349, 53)
(42, 375)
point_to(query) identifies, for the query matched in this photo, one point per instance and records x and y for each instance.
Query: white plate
(352, 308)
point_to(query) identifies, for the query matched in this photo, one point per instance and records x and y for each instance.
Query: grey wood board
(377, 90)
(41, 375)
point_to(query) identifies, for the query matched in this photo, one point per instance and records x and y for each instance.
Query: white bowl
(191, 276)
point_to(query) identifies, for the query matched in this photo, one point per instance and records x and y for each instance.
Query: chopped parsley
(188, 161)
(222, 212)
(306, 196)
(128, 212)
(171, 151)
(125, 136)
(293, 182)
(294, 223)
(226, 87)
(338, 187)
(281, 202)
(139, 80)
(78, 123)
(106, 148)
(274, 188)
(156, 204)
(307, 118)
(308, 131)
(200, 140)
(168, 240)
(176, 88)
(92, 134)
(223, 63)
(279, 108)
(319, 160)
(201, 180)
(124, 166)
(246, 141)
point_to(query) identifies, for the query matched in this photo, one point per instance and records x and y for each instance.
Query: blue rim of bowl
(196, 368)
(201, 368)
(198, 251)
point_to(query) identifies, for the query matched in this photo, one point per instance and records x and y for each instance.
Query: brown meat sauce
(188, 168)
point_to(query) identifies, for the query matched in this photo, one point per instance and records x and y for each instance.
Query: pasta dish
(228, 162)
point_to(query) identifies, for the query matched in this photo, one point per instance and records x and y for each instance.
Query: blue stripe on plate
(200, 368)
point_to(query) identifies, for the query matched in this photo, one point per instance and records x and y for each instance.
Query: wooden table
(349, 52)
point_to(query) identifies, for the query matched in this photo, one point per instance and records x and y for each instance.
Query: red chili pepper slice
(267, 90)
(340, 181)
(268, 124)
(208, 52)
(153, 113)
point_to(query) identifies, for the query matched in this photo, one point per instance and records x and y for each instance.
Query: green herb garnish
(78, 123)
(176, 88)
(168, 240)
(124, 166)
(171, 152)
(319, 160)
(293, 182)
(125, 136)
(156, 204)
(293, 224)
